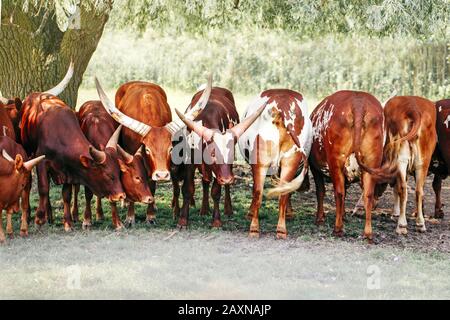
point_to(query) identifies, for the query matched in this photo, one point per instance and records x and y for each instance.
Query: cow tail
(383, 174)
(293, 185)
(392, 148)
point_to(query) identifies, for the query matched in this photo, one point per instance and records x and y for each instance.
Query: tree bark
(35, 53)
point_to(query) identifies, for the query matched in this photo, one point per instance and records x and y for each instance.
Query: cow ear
(18, 103)
(18, 162)
(122, 166)
(85, 161)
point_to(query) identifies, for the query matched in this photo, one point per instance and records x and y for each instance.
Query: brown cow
(14, 177)
(6, 125)
(411, 140)
(279, 141)
(143, 110)
(50, 127)
(98, 126)
(11, 109)
(441, 157)
(218, 129)
(348, 135)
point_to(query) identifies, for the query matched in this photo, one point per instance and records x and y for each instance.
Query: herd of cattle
(121, 149)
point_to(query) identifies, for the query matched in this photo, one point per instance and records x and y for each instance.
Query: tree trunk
(35, 53)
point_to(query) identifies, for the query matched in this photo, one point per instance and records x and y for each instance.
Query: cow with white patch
(410, 143)
(278, 141)
(348, 139)
(214, 133)
(441, 157)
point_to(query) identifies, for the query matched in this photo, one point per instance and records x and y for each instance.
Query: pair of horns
(100, 156)
(207, 133)
(29, 165)
(142, 128)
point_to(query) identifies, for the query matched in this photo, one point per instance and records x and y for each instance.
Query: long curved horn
(29, 165)
(7, 156)
(64, 82)
(3, 100)
(202, 131)
(112, 142)
(130, 123)
(240, 128)
(98, 156)
(176, 125)
(125, 155)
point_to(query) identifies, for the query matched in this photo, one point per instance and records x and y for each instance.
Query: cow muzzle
(160, 175)
(148, 200)
(117, 197)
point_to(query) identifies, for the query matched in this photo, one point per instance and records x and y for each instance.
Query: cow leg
(130, 220)
(228, 208)
(9, 227)
(401, 188)
(204, 210)
(42, 211)
(188, 192)
(26, 212)
(339, 196)
(25, 203)
(216, 190)
(76, 190)
(368, 185)
(259, 175)
(151, 208)
(67, 197)
(175, 198)
(437, 186)
(87, 218)
(117, 224)
(99, 215)
(2, 234)
(289, 210)
(320, 195)
(288, 170)
(421, 175)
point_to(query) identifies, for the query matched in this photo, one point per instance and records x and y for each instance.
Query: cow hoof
(129, 222)
(216, 224)
(67, 227)
(86, 225)
(151, 222)
(421, 228)
(439, 214)
(338, 233)
(253, 234)
(120, 227)
(10, 235)
(39, 222)
(368, 237)
(401, 230)
(182, 223)
(24, 233)
(281, 235)
(320, 221)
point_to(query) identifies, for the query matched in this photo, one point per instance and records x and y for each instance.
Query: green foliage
(427, 18)
(253, 60)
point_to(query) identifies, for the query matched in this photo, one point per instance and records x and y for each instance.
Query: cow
(50, 127)
(11, 109)
(441, 157)
(218, 129)
(410, 143)
(348, 140)
(279, 141)
(15, 174)
(142, 108)
(98, 126)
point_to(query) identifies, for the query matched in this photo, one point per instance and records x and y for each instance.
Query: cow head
(134, 176)
(104, 172)
(219, 147)
(17, 170)
(156, 140)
